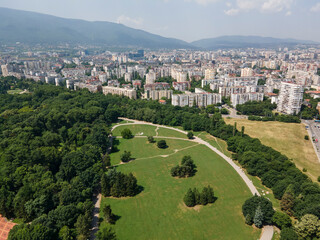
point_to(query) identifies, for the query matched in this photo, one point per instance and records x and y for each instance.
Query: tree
(126, 133)
(162, 144)
(126, 156)
(109, 217)
(190, 135)
(210, 195)
(82, 227)
(281, 220)
(306, 137)
(308, 227)
(204, 196)
(250, 206)
(287, 203)
(242, 131)
(106, 233)
(258, 218)
(150, 139)
(288, 234)
(189, 199)
(65, 233)
(105, 186)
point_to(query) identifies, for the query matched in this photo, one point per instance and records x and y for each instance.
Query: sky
(192, 20)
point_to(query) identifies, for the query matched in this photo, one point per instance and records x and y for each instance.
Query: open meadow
(158, 212)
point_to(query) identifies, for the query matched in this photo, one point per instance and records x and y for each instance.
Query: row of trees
(263, 108)
(117, 184)
(193, 197)
(186, 169)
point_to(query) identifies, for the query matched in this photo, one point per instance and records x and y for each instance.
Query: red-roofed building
(5, 227)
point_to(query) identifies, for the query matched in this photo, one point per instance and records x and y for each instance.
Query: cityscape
(108, 131)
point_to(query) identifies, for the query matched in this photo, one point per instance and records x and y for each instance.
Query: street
(314, 133)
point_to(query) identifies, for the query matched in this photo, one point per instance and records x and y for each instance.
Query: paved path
(267, 231)
(96, 215)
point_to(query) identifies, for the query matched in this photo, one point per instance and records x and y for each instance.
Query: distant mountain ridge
(30, 27)
(33, 28)
(246, 41)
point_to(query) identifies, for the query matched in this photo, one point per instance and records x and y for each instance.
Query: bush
(319, 179)
(150, 139)
(187, 168)
(304, 170)
(126, 133)
(126, 156)
(306, 137)
(288, 234)
(162, 144)
(190, 135)
(281, 220)
(194, 197)
(224, 111)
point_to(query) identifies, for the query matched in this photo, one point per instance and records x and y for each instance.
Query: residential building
(128, 92)
(290, 98)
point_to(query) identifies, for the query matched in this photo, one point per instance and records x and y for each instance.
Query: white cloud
(203, 2)
(315, 8)
(264, 6)
(136, 22)
(289, 13)
(232, 12)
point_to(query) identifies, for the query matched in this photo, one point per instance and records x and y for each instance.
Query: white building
(241, 98)
(130, 93)
(151, 77)
(246, 72)
(157, 94)
(209, 74)
(198, 99)
(290, 98)
(127, 77)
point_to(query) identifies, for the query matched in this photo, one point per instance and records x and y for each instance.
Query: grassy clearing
(287, 138)
(164, 132)
(16, 91)
(136, 129)
(159, 213)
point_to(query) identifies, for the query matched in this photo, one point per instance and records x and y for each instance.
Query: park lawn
(15, 91)
(218, 143)
(136, 129)
(165, 132)
(158, 212)
(141, 148)
(287, 138)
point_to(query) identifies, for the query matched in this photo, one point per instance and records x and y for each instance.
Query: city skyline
(192, 20)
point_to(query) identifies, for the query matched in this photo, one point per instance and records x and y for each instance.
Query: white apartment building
(128, 92)
(241, 98)
(127, 77)
(151, 77)
(246, 72)
(157, 94)
(290, 98)
(199, 99)
(209, 74)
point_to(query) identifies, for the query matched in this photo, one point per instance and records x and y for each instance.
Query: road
(96, 215)
(267, 232)
(233, 113)
(314, 132)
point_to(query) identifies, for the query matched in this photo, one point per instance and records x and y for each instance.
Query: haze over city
(192, 20)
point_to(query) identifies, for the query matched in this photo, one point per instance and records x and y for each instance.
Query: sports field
(287, 138)
(158, 212)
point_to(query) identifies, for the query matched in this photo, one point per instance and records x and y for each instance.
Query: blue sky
(191, 20)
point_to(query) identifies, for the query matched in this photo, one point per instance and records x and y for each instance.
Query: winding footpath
(267, 231)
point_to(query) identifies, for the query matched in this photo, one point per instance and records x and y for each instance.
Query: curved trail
(267, 231)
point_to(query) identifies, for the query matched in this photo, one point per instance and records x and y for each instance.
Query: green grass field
(158, 211)
(170, 133)
(136, 129)
(287, 138)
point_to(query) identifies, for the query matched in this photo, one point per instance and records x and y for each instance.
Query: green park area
(158, 211)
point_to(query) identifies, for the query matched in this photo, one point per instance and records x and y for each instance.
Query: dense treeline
(51, 147)
(276, 117)
(263, 108)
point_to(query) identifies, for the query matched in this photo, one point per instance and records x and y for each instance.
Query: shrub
(126, 156)
(190, 135)
(126, 133)
(162, 144)
(150, 139)
(306, 137)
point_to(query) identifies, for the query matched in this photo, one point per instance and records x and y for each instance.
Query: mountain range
(33, 28)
